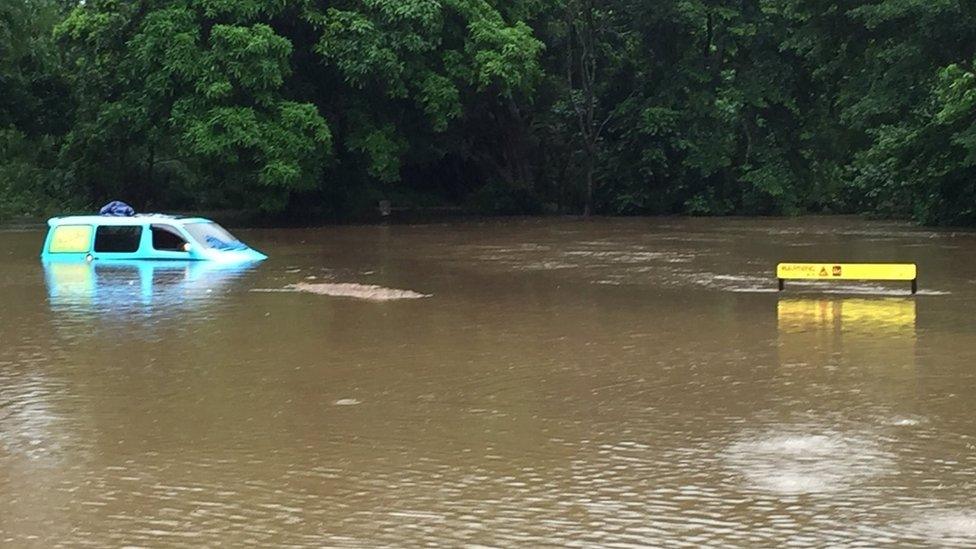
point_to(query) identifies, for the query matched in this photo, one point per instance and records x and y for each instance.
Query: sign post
(907, 272)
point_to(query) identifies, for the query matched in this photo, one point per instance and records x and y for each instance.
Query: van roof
(137, 219)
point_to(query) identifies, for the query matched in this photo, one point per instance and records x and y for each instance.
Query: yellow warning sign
(847, 271)
(71, 239)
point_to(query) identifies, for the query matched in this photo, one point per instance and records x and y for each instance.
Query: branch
(612, 112)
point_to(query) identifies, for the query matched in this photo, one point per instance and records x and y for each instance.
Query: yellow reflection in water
(70, 280)
(856, 332)
(803, 315)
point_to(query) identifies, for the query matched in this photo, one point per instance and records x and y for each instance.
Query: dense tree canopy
(611, 106)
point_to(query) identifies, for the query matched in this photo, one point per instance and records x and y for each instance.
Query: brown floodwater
(615, 383)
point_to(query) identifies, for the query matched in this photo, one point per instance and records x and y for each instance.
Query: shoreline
(253, 220)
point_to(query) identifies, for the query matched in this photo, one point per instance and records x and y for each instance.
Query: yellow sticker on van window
(68, 239)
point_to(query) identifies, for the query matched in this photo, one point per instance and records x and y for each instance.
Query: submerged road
(625, 382)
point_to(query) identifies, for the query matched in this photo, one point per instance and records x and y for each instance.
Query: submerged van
(148, 236)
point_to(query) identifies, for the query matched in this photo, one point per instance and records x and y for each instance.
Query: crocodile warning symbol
(823, 271)
(836, 270)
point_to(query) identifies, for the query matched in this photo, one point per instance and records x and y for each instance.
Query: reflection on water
(610, 383)
(823, 341)
(946, 527)
(801, 459)
(878, 332)
(124, 287)
(876, 316)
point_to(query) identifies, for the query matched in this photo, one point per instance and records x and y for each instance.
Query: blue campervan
(142, 237)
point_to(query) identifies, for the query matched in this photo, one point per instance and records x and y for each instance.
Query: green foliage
(703, 107)
(35, 111)
(198, 83)
(402, 78)
(30, 183)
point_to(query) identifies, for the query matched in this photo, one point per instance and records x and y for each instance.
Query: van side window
(167, 238)
(66, 239)
(118, 238)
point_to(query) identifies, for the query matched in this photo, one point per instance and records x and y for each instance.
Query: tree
(34, 110)
(245, 102)
(433, 86)
(195, 83)
(581, 78)
(707, 107)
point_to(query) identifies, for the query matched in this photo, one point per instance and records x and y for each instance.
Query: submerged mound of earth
(360, 291)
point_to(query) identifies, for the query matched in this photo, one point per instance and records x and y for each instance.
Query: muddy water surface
(606, 383)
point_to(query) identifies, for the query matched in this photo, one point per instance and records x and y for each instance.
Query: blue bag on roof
(117, 208)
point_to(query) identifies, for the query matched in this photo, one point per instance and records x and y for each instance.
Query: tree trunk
(582, 27)
(588, 207)
(150, 172)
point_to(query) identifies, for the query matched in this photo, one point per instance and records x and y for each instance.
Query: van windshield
(212, 235)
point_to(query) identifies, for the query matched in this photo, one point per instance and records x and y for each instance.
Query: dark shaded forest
(320, 109)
